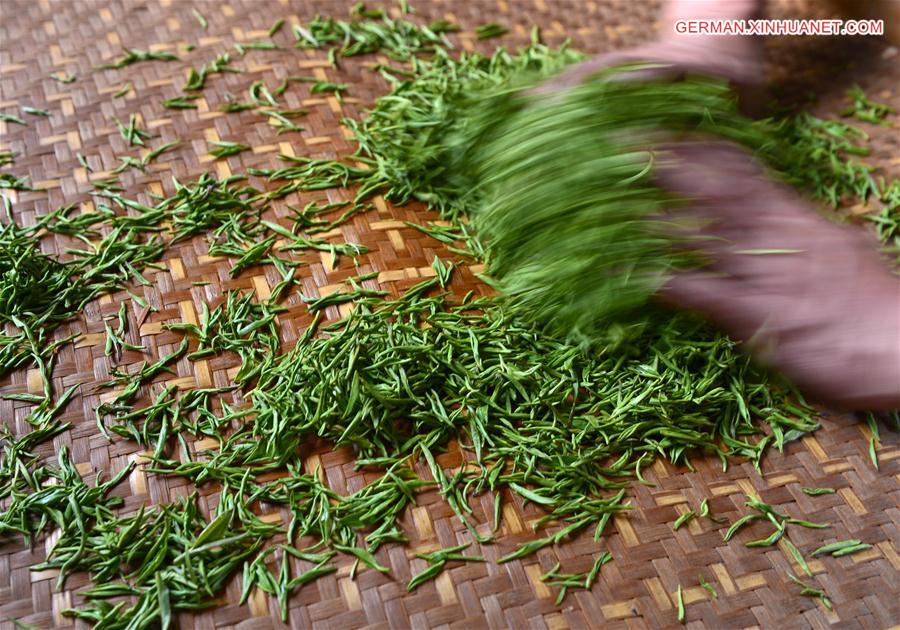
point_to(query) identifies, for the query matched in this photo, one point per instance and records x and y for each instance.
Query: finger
(715, 296)
(707, 170)
(732, 306)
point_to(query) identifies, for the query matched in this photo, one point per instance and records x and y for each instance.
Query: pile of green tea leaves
(562, 190)
(567, 426)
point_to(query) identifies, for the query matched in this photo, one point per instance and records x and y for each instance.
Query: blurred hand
(736, 59)
(809, 297)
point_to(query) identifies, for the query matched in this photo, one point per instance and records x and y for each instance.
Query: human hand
(809, 297)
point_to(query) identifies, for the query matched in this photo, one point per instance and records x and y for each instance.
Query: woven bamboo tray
(637, 590)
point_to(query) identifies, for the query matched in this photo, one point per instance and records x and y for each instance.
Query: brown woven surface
(638, 588)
